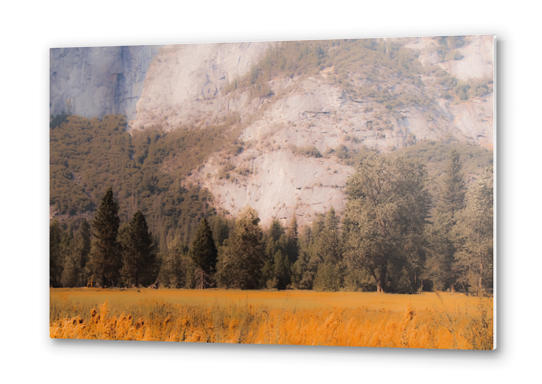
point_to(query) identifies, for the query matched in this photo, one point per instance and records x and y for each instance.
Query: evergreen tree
(71, 271)
(440, 265)
(221, 230)
(292, 237)
(282, 271)
(329, 242)
(105, 261)
(173, 266)
(241, 258)
(452, 190)
(473, 237)
(83, 245)
(327, 278)
(55, 259)
(138, 252)
(204, 253)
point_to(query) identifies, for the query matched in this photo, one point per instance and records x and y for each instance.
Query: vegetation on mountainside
(145, 171)
(374, 70)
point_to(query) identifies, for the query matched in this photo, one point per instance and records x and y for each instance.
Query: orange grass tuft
(440, 325)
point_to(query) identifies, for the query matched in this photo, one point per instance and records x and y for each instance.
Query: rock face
(278, 184)
(182, 86)
(93, 82)
(184, 82)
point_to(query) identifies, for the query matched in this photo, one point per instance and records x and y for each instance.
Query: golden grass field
(427, 320)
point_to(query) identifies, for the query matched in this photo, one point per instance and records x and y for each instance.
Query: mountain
(93, 82)
(291, 118)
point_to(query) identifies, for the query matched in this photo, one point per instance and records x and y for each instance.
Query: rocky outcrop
(184, 83)
(93, 82)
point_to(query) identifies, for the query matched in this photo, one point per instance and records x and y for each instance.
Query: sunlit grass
(451, 321)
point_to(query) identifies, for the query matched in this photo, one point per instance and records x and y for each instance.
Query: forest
(394, 237)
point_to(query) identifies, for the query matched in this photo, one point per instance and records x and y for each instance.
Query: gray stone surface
(96, 81)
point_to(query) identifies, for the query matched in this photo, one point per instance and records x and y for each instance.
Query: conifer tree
(282, 271)
(292, 237)
(440, 264)
(71, 270)
(328, 250)
(452, 190)
(105, 262)
(138, 252)
(55, 260)
(173, 268)
(473, 236)
(83, 245)
(204, 253)
(241, 258)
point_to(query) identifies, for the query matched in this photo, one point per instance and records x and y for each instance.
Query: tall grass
(441, 327)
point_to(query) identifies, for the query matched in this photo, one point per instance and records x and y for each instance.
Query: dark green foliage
(435, 155)
(241, 257)
(105, 255)
(327, 278)
(55, 259)
(473, 237)
(448, 47)
(328, 245)
(176, 266)
(138, 252)
(220, 227)
(282, 271)
(83, 242)
(58, 120)
(292, 247)
(319, 244)
(87, 155)
(203, 252)
(452, 189)
(357, 64)
(71, 271)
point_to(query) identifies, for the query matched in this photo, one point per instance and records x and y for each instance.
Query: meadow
(427, 320)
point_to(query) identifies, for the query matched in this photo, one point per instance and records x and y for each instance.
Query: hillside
(278, 126)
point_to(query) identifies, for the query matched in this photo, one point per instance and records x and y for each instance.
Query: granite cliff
(442, 90)
(93, 82)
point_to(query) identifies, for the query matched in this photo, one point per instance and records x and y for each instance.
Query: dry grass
(450, 321)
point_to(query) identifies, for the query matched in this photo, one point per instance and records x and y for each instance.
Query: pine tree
(71, 270)
(55, 260)
(329, 241)
(173, 267)
(452, 190)
(441, 248)
(105, 262)
(204, 253)
(473, 236)
(292, 237)
(138, 252)
(83, 246)
(241, 258)
(282, 271)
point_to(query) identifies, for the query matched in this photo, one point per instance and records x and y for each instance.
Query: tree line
(388, 240)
